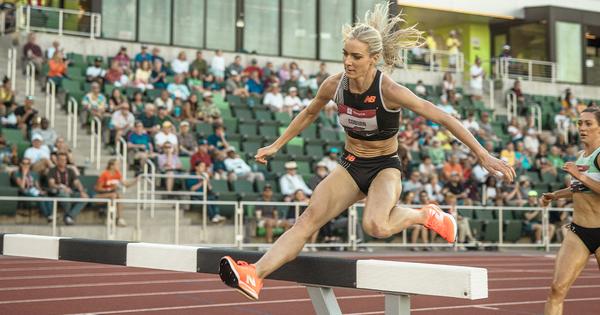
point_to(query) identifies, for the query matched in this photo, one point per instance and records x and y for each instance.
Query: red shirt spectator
(201, 155)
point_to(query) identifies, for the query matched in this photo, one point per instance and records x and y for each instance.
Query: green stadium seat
(466, 213)
(231, 125)
(263, 115)
(227, 210)
(76, 59)
(248, 129)
(310, 132)
(72, 85)
(243, 113)
(304, 168)
(294, 150)
(329, 134)
(13, 136)
(204, 130)
(283, 118)
(512, 230)
(219, 185)
(270, 131)
(185, 162)
(234, 100)
(9, 207)
(243, 186)
(484, 214)
(492, 231)
(251, 147)
(153, 94)
(277, 166)
(315, 150)
(89, 182)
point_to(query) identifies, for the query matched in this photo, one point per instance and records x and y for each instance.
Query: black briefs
(589, 236)
(364, 170)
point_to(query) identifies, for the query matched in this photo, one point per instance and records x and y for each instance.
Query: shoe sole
(455, 230)
(230, 277)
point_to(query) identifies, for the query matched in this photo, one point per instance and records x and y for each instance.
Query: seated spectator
(267, 70)
(254, 85)
(39, 155)
(95, 72)
(156, 56)
(235, 86)
(436, 153)
(331, 160)
(253, 66)
(54, 48)
(180, 65)
(509, 154)
(178, 88)
(199, 64)
(290, 182)
(142, 56)
(486, 131)
(33, 53)
(533, 219)
(194, 81)
(471, 124)
(202, 155)
(7, 95)
(522, 159)
(321, 172)
(158, 76)
(8, 117)
(218, 140)
(123, 59)
(420, 89)
(453, 165)
(142, 76)
(164, 100)
(555, 157)
(116, 99)
(166, 135)
(434, 189)
(514, 130)
(169, 164)
(121, 122)
(448, 83)
(94, 104)
(163, 114)
(61, 147)
(149, 119)
(137, 104)
(322, 74)
(57, 68)
(217, 66)
(115, 75)
(239, 169)
(64, 182)
(455, 186)
(28, 183)
(274, 99)
(491, 190)
(463, 223)
(48, 134)
(190, 108)
(268, 216)
(139, 145)
(292, 103)
(427, 168)
(196, 185)
(210, 83)
(108, 185)
(413, 184)
(187, 140)
(235, 66)
(208, 111)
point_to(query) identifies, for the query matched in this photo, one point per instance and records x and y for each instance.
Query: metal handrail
(24, 21)
(511, 105)
(536, 112)
(51, 102)
(30, 79)
(122, 146)
(435, 60)
(72, 120)
(504, 68)
(11, 67)
(96, 141)
(149, 180)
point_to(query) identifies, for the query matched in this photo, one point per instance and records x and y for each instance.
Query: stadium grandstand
(139, 120)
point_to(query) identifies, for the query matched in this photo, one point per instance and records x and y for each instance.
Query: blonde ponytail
(384, 35)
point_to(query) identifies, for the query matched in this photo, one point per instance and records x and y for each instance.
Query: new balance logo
(370, 99)
(251, 280)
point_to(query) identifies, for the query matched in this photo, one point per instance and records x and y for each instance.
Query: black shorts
(589, 236)
(364, 170)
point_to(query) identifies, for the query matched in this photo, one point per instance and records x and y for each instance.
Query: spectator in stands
(211, 84)
(108, 185)
(453, 44)
(464, 226)
(524, 185)
(321, 172)
(57, 68)
(156, 56)
(268, 216)
(506, 53)
(254, 85)
(322, 74)
(158, 75)
(202, 155)
(199, 64)
(516, 89)
(508, 154)
(29, 185)
(522, 159)
(123, 59)
(149, 119)
(194, 81)
(236, 66)
(218, 140)
(471, 124)
(208, 111)
(235, 86)
(290, 182)
(64, 182)
(164, 100)
(196, 185)
(142, 76)
(114, 74)
(252, 67)
(427, 168)
(434, 189)
(94, 104)
(142, 56)
(239, 169)
(571, 155)
(217, 66)
(32, 52)
(7, 95)
(455, 186)
(555, 157)
(139, 145)
(532, 142)
(137, 104)
(563, 125)
(61, 147)
(8, 154)
(163, 114)
(486, 131)
(417, 230)
(413, 184)
(274, 99)
(292, 103)
(180, 65)
(95, 72)
(284, 73)
(514, 130)
(116, 99)
(187, 140)
(178, 88)
(533, 219)
(267, 71)
(448, 84)
(8, 118)
(490, 191)
(121, 122)
(477, 76)
(420, 89)
(166, 135)
(436, 153)
(452, 166)
(38, 154)
(331, 160)
(48, 134)
(169, 164)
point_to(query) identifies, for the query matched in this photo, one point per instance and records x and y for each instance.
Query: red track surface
(518, 285)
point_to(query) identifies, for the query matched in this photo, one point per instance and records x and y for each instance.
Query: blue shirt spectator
(178, 89)
(143, 56)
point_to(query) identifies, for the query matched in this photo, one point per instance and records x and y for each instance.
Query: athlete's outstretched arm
(306, 117)
(547, 198)
(397, 96)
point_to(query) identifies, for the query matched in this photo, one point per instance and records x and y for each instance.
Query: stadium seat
(283, 118)
(492, 231)
(219, 185)
(248, 129)
(484, 214)
(310, 132)
(263, 115)
(314, 150)
(243, 113)
(512, 230)
(268, 131)
(243, 186)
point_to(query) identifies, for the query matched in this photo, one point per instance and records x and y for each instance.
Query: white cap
(37, 136)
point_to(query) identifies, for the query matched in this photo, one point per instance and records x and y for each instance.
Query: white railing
(149, 176)
(121, 148)
(50, 102)
(492, 95)
(511, 106)
(60, 21)
(72, 117)
(11, 67)
(30, 79)
(536, 112)
(434, 61)
(526, 69)
(96, 141)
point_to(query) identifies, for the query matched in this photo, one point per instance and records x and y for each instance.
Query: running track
(518, 285)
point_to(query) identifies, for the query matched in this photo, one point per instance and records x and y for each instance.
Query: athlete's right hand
(547, 199)
(263, 153)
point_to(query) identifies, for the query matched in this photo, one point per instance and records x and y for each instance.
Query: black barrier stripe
(2, 243)
(325, 271)
(94, 251)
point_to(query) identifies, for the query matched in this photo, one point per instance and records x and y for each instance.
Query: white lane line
(488, 308)
(583, 286)
(537, 278)
(99, 274)
(95, 266)
(158, 309)
(499, 304)
(103, 284)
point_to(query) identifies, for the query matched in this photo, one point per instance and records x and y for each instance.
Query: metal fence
(525, 69)
(60, 21)
(434, 61)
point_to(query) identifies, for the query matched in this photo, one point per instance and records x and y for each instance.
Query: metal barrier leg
(324, 302)
(397, 304)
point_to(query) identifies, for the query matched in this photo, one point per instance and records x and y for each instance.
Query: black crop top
(364, 116)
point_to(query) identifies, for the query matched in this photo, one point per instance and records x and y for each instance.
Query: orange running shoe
(241, 276)
(441, 222)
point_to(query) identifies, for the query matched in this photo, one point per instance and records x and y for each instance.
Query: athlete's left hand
(572, 169)
(498, 168)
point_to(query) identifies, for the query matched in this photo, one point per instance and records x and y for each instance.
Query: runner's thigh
(570, 261)
(384, 193)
